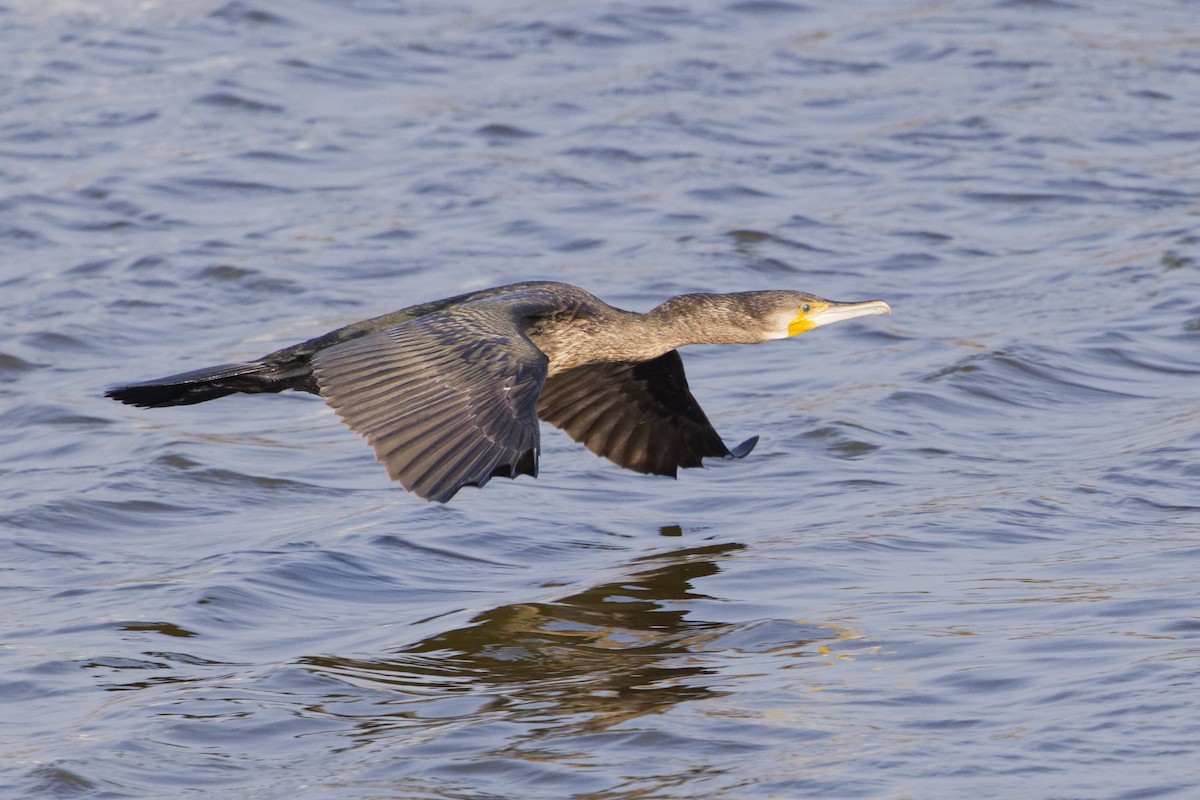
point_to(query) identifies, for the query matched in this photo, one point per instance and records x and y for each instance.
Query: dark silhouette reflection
(590, 660)
(578, 665)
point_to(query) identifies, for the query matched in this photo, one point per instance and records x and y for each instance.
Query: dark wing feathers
(639, 415)
(446, 400)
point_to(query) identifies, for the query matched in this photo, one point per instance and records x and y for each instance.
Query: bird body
(449, 393)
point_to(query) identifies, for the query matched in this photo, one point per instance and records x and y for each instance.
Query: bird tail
(200, 385)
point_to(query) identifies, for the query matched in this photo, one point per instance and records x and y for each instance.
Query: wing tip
(743, 449)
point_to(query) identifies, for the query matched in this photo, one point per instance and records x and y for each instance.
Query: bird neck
(611, 334)
(700, 319)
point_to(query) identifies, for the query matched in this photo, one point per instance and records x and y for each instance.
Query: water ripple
(977, 516)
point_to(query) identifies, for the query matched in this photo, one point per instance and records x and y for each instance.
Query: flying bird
(449, 393)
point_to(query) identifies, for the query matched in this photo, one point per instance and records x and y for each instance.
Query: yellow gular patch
(803, 321)
(799, 325)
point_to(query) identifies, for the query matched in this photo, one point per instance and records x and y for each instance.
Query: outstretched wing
(446, 400)
(639, 415)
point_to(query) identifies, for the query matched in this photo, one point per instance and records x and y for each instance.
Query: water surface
(961, 562)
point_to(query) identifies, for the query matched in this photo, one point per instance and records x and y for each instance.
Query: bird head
(806, 312)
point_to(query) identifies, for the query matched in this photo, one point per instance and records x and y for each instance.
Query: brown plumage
(449, 393)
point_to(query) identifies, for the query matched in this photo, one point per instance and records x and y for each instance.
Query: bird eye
(806, 308)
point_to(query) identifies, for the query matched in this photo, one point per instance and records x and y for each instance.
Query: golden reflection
(593, 659)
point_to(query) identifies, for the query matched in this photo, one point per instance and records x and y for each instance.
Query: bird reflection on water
(611, 653)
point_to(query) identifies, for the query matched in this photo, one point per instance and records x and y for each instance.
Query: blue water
(962, 561)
